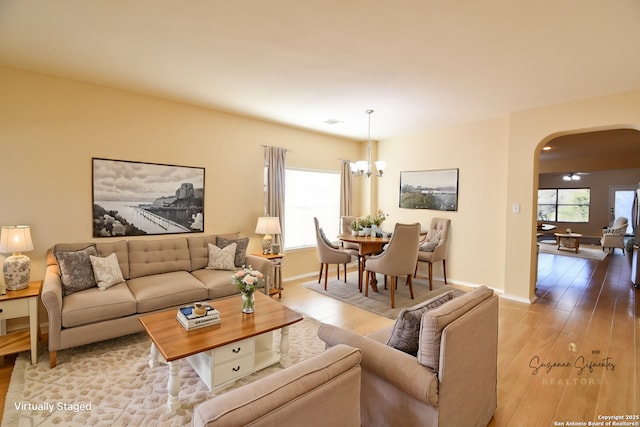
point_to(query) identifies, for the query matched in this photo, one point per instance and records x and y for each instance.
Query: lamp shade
(268, 225)
(15, 239)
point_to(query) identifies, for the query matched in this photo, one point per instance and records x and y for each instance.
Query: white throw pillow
(106, 271)
(222, 259)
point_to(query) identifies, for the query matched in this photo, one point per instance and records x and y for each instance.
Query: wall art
(135, 198)
(429, 189)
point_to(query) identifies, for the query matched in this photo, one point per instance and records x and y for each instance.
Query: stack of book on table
(187, 317)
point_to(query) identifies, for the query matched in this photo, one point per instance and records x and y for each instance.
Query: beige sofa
(451, 381)
(159, 275)
(321, 391)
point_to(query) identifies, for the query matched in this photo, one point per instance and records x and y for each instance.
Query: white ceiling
(418, 63)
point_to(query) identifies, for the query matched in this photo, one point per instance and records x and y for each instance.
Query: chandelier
(363, 167)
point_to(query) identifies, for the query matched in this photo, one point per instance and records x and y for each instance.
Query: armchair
(452, 381)
(320, 391)
(613, 237)
(434, 248)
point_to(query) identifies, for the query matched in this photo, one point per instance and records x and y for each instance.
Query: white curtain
(275, 163)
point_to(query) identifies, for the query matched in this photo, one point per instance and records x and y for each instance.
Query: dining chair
(329, 253)
(434, 248)
(398, 259)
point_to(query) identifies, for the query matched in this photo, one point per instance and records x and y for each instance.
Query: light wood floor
(585, 309)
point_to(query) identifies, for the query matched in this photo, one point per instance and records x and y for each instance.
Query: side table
(276, 263)
(21, 303)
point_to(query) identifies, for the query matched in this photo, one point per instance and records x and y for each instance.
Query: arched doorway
(602, 159)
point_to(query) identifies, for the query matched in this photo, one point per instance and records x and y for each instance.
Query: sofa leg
(52, 359)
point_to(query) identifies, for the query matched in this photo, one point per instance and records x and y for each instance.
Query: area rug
(585, 251)
(110, 384)
(379, 302)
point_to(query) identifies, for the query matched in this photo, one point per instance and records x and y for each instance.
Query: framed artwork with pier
(136, 198)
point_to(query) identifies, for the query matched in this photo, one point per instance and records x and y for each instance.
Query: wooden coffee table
(223, 353)
(568, 241)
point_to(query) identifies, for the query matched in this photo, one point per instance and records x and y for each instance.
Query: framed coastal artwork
(136, 198)
(429, 189)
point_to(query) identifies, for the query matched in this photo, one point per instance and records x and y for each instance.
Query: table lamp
(17, 267)
(267, 225)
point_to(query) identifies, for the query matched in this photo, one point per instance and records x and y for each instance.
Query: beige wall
(51, 128)
(479, 151)
(529, 131)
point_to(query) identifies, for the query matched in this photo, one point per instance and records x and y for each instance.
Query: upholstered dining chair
(613, 237)
(329, 253)
(434, 247)
(398, 259)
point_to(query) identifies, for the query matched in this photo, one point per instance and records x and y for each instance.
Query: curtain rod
(267, 146)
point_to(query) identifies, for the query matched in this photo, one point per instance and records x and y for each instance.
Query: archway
(596, 152)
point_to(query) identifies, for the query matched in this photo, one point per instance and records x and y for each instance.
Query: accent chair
(329, 253)
(434, 247)
(613, 237)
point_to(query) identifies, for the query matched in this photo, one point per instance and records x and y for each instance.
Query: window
(564, 204)
(308, 194)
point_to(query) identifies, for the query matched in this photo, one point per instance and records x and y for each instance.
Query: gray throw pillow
(76, 271)
(428, 246)
(406, 330)
(241, 248)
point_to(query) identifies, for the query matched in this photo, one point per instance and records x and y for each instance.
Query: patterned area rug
(379, 302)
(110, 384)
(584, 251)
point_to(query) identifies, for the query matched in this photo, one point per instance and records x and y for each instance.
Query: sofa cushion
(106, 271)
(150, 257)
(92, 305)
(76, 271)
(241, 248)
(199, 250)
(406, 330)
(218, 282)
(434, 321)
(222, 258)
(166, 290)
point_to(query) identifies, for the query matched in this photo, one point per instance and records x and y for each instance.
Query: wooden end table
(21, 303)
(223, 353)
(568, 241)
(276, 263)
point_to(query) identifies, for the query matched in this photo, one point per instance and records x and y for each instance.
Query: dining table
(367, 245)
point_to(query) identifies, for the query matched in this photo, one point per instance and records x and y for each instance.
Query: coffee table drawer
(234, 351)
(233, 369)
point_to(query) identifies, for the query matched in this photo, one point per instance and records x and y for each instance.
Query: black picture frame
(429, 189)
(136, 198)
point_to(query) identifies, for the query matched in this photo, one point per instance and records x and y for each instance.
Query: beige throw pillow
(222, 258)
(106, 271)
